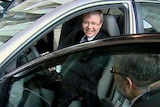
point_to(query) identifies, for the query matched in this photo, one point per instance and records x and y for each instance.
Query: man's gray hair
(95, 12)
(143, 69)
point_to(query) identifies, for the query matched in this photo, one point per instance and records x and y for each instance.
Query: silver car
(32, 32)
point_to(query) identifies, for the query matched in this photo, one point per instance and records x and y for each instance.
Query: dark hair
(143, 69)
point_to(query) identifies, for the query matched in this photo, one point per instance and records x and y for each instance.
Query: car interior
(110, 27)
(27, 86)
(113, 25)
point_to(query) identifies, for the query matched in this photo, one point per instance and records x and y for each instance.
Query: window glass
(82, 68)
(65, 34)
(72, 80)
(62, 36)
(72, 30)
(151, 16)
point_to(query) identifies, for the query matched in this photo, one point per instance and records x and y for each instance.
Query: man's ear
(101, 24)
(129, 84)
(130, 88)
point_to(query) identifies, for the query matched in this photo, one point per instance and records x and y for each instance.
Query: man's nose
(89, 25)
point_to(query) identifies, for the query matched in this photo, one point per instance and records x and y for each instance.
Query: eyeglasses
(112, 70)
(92, 23)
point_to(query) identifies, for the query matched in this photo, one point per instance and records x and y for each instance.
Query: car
(32, 32)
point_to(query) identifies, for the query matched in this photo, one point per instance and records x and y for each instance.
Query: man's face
(91, 24)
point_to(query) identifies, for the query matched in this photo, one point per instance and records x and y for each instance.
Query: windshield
(22, 13)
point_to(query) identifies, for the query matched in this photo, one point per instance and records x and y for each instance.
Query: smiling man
(81, 72)
(91, 25)
(88, 28)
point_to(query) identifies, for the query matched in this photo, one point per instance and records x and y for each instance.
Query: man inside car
(81, 78)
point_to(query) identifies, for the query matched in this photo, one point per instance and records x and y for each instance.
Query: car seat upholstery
(69, 37)
(105, 82)
(110, 25)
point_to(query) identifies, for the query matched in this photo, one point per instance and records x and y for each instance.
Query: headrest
(110, 25)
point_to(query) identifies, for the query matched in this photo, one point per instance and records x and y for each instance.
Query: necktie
(84, 40)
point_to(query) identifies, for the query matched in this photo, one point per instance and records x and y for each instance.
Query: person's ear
(101, 24)
(130, 88)
(129, 84)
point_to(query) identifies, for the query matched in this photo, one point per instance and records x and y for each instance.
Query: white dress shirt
(88, 38)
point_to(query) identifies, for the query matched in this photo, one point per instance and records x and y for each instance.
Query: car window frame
(113, 45)
(53, 25)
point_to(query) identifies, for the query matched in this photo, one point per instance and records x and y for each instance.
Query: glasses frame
(90, 23)
(122, 74)
(114, 72)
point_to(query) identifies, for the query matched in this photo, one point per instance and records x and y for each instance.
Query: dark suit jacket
(149, 99)
(94, 63)
(81, 73)
(74, 38)
(80, 34)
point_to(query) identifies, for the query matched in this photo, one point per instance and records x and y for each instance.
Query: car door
(126, 14)
(51, 30)
(27, 85)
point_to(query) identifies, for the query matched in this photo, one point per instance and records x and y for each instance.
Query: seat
(106, 80)
(68, 38)
(68, 32)
(110, 25)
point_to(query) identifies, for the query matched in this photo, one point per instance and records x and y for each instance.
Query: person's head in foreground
(137, 74)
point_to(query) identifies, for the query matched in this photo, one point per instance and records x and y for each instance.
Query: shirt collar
(90, 38)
